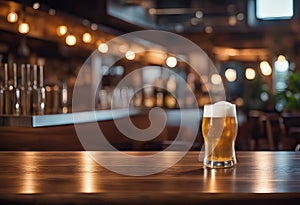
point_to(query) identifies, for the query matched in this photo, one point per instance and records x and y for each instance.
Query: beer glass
(219, 128)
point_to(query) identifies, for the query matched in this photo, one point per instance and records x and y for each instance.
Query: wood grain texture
(74, 178)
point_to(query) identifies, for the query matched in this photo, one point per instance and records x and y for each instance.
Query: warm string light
(208, 29)
(250, 73)
(52, 12)
(230, 75)
(24, 28)
(171, 62)
(130, 55)
(87, 37)
(265, 68)
(103, 48)
(216, 79)
(61, 30)
(94, 26)
(12, 17)
(71, 40)
(232, 20)
(281, 64)
(36, 5)
(281, 58)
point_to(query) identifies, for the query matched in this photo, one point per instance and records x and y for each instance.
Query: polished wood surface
(74, 178)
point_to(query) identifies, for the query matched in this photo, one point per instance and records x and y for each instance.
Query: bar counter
(74, 178)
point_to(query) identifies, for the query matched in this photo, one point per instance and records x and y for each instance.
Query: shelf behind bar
(64, 119)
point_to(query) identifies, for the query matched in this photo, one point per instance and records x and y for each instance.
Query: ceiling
(208, 23)
(174, 15)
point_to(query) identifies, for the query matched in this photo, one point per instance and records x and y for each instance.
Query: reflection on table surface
(65, 173)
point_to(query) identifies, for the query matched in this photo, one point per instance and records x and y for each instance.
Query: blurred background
(254, 45)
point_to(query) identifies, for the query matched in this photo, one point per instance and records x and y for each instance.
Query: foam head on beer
(219, 110)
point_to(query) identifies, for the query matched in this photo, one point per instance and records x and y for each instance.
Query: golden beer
(219, 130)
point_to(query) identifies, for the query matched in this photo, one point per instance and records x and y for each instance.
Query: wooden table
(73, 178)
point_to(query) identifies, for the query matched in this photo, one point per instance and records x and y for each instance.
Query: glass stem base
(219, 164)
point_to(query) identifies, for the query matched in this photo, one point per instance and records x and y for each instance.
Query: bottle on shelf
(42, 91)
(38, 92)
(28, 103)
(23, 92)
(7, 92)
(35, 94)
(11, 92)
(64, 98)
(15, 92)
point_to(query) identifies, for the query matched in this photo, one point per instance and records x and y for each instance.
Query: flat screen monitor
(274, 9)
(271, 12)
